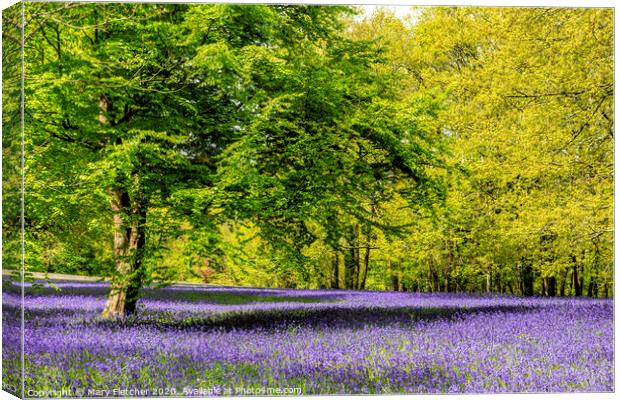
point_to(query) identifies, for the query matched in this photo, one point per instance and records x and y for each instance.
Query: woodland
(456, 149)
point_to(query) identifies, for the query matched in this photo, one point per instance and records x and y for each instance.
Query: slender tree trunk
(355, 254)
(395, 283)
(592, 287)
(576, 280)
(401, 283)
(348, 269)
(430, 276)
(448, 269)
(489, 279)
(552, 286)
(335, 279)
(528, 280)
(596, 287)
(366, 263)
(351, 259)
(436, 282)
(394, 277)
(581, 275)
(499, 284)
(563, 285)
(509, 286)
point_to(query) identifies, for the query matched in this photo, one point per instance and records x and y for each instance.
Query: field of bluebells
(218, 340)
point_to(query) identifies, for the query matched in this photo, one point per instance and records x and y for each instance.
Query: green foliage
(11, 138)
(530, 114)
(464, 149)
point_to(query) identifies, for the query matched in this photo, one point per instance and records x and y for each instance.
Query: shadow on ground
(321, 317)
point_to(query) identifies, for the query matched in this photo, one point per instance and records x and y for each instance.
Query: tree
(331, 144)
(132, 122)
(530, 105)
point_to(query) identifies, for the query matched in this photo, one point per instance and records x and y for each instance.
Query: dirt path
(83, 278)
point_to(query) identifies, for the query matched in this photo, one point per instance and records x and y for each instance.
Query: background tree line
(462, 149)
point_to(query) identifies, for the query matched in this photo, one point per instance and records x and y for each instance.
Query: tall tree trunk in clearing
(129, 240)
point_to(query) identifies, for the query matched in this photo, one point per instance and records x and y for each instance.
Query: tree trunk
(394, 276)
(395, 282)
(436, 282)
(349, 269)
(576, 280)
(528, 281)
(581, 285)
(401, 284)
(551, 286)
(335, 280)
(355, 254)
(351, 259)
(499, 284)
(366, 263)
(129, 240)
(563, 285)
(128, 220)
(448, 270)
(489, 279)
(592, 288)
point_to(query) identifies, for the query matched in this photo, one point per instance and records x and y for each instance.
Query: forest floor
(244, 341)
